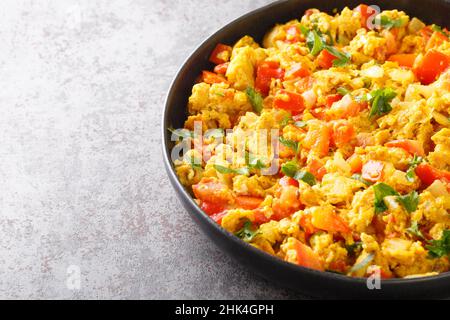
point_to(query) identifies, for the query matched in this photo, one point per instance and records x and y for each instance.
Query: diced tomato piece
(428, 174)
(306, 257)
(436, 39)
(329, 221)
(403, 59)
(286, 204)
(211, 77)
(343, 132)
(332, 98)
(338, 265)
(293, 34)
(317, 168)
(430, 66)
(365, 12)
(221, 68)
(345, 108)
(306, 224)
(267, 67)
(325, 59)
(373, 170)
(220, 54)
(212, 191)
(259, 217)
(318, 139)
(426, 33)
(414, 147)
(211, 208)
(309, 12)
(265, 72)
(355, 163)
(248, 203)
(217, 217)
(288, 181)
(298, 70)
(290, 101)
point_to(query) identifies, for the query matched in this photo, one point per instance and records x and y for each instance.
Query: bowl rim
(181, 190)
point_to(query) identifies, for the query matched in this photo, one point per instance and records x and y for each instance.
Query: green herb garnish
(254, 162)
(305, 176)
(294, 145)
(439, 29)
(255, 98)
(291, 169)
(414, 230)
(316, 42)
(380, 100)
(195, 163)
(343, 91)
(354, 248)
(342, 58)
(409, 201)
(411, 173)
(440, 248)
(246, 233)
(224, 170)
(285, 121)
(381, 191)
(389, 23)
(304, 30)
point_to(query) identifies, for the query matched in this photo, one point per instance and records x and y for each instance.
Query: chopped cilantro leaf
(343, 91)
(381, 191)
(380, 100)
(255, 98)
(414, 230)
(305, 176)
(409, 201)
(411, 174)
(290, 168)
(247, 233)
(294, 145)
(440, 248)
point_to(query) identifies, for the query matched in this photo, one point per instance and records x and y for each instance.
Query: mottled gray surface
(82, 85)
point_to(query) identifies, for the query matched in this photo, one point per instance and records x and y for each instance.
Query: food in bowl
(328, 144)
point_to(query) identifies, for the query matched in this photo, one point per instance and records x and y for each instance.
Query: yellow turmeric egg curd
(328, 144)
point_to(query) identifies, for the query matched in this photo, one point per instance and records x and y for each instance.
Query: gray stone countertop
(86, 209)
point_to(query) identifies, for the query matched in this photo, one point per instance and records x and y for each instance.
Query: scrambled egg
(358, 178)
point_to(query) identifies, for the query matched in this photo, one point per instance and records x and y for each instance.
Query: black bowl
(311, 282)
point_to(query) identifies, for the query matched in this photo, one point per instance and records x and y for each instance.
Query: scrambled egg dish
(359, 104)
